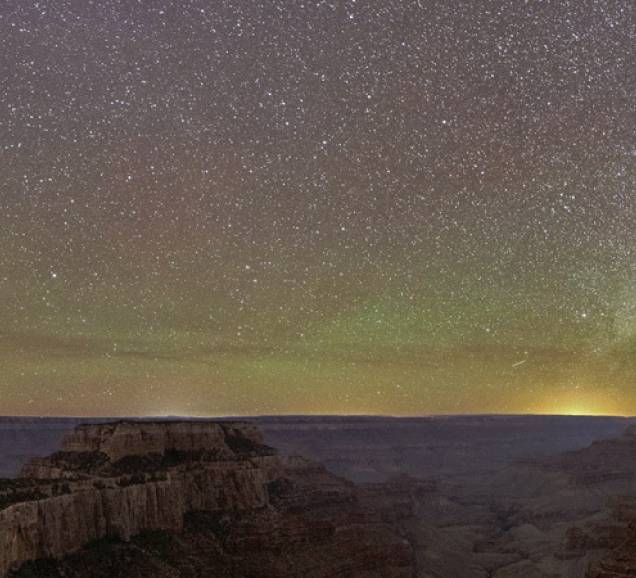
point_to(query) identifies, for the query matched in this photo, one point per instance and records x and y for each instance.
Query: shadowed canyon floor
(452, 497)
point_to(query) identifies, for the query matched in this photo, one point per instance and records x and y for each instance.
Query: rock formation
(189, 498)
(200, 498)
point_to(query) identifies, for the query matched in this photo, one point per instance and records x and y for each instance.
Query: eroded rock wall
(124, 480)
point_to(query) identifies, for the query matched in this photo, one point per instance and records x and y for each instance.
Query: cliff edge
(189, 498)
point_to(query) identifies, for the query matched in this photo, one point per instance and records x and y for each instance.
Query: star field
(310, 206)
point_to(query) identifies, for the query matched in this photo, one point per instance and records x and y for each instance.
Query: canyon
(443, 497)
(189, 498)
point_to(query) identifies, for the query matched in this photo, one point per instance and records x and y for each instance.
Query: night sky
(241, 207)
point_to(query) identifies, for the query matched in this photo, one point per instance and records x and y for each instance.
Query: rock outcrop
(189, 498)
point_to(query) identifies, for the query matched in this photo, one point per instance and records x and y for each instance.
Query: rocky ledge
(191, 499)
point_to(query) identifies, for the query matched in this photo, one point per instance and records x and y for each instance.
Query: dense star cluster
(229, 207)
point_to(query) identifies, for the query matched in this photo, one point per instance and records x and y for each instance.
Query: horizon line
(312, 415)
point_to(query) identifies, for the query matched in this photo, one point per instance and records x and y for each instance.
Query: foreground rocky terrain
(466, 497)
(192, 499)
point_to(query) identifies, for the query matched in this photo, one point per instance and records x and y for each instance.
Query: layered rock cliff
(209, 498)
(189, 498)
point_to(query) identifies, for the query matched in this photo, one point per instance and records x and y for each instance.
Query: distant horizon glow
(573, 412)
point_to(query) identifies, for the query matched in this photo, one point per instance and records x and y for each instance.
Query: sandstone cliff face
(120, 439)
(124, 480)
(90, 446)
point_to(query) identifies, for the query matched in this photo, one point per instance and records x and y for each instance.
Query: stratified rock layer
(145, 486)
